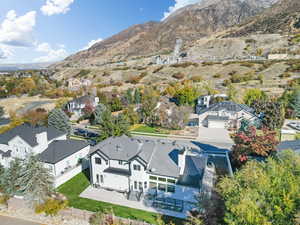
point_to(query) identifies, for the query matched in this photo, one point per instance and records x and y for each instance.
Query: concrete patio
(120, 199)
(215, 135)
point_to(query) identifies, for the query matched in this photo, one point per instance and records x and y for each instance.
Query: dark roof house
(28, 133)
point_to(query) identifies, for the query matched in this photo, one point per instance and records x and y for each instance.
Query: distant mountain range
(29, 66)
(191, 23)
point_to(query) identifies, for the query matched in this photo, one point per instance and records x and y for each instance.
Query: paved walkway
(120, 199)
(4, 220)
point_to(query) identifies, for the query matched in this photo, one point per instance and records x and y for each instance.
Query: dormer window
(98, 161)
(137, 167)
(120, 162)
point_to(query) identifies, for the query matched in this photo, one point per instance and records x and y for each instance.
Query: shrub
(226, 83)
(178, 76)
(250, 40)
(158, 69)
(121, 68)
(217, 75)
(83, 73)
(4, 199)
(51, 206)
(184, 65)
(285, 75)
(247, 64)
(197, 78)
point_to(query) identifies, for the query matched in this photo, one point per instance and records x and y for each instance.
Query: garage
(217, 121)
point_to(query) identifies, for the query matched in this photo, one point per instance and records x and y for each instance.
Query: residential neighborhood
(178, 112)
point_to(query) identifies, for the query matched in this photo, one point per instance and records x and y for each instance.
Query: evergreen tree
(10, 176)
(96, 117)
(129, 96)
(59, 120)
(137, 96)
(295, 104)
(112, 126)
(36, 181)
(1, 111)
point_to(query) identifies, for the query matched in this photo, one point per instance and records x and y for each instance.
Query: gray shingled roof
(194, 170)
(28, 133)
(293, 145)
(61, 149)
(228, 106)
(84, 99)
(161, 158)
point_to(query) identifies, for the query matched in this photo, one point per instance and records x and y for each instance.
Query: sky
(33, 31)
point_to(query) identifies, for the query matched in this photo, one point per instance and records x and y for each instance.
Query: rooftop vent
(118, 148)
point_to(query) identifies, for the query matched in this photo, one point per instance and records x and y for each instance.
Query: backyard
(72, 189)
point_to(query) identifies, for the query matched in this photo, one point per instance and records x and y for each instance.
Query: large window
(98, 161)
(153, 178)
(152, 185)
(135, 185)
(171, 188)
(162, 179)
(137, 167)
(162, 187)
(171, 181)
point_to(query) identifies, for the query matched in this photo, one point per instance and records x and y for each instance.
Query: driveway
(214, 135)
(12, 221)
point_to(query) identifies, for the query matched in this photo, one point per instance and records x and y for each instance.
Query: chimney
(181, 159)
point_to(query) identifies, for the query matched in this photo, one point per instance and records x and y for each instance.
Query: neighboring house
(225, 114)
(150, 169)
(205, 100)
(289, 145)
(76, 106)
(75, 84)
(290, 130)
(58, 153)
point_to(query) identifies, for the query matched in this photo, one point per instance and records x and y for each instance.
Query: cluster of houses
(166, 174)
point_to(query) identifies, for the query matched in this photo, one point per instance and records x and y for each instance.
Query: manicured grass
(72, 189)
(152, 130)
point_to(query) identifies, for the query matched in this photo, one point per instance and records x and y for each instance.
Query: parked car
(80, 132)
(295, 125)
(92, 142)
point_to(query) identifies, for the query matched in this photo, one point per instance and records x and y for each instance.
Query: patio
(146, 205)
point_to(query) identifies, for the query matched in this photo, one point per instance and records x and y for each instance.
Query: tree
(36, 181)
(232, 93)
(36, 117)
(150, 99)
(271, 112)
(131, 115)
(251, 143)
(137, 96)
(10, 176)
(1, 111)
(113, 126)
(129, 96)
(96, 116)
(263, 193)
(59, 120)
(254, 94)
(187, 94)
(295, 103)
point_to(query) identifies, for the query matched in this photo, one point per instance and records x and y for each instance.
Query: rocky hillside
(283, 17)
(189, 23)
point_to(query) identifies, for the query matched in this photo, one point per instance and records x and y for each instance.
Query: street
(12, 221)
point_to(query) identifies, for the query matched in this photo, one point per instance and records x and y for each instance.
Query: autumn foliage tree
(252, 143)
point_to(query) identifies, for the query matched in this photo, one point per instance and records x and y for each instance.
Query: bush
(285, 75)
(184, 65)
(197, 78)
(83, 73)
(158, 69)
(4, 199)
(217, 75)
(247, 64)
(178, 76)
(51, 206)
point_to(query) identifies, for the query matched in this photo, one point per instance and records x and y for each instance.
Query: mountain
(27, 66)
(189, 23)
(283, 17)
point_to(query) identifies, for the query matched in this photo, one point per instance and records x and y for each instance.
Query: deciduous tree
(254, 94)
(263, 193)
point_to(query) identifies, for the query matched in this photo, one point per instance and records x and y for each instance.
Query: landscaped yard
(147, 129)
(73, 188)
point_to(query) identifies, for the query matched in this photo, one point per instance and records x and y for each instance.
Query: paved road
(12, 221)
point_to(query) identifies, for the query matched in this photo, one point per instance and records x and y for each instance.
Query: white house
(76, 106)
(225, 114)
(59, 154)
(149, 169)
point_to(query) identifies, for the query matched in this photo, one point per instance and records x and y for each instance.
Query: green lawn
(151, 130)
(72, 189)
